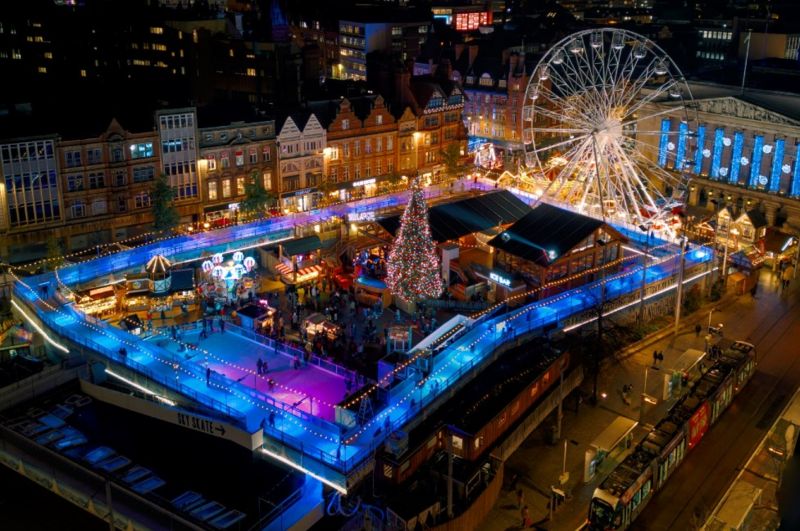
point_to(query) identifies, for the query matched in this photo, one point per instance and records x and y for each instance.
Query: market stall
(316, 323)
(256, 317)
(99, 302)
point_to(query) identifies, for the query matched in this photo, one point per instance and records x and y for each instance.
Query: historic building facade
(301, 147)
(231, 156)
(741, 151)
(362, 147)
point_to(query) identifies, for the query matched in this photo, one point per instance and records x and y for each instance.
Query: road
(703, 477)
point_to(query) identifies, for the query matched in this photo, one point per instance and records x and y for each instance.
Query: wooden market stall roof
(301, 245)
(547, 232)
(450, 221)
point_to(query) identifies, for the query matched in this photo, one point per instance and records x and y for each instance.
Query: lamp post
(417, 136)
(649, 231)
(679, 292)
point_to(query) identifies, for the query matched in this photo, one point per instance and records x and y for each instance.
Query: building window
(345, 124)
(141, 200)
(265, 154)
(267, 178)
(332, 175)
(143, 174)
(379, 119)
(357, 173)
(142, 150)
(357, 148)
(78, 209)
(251, 72)
(239, 159)
(389, 143)
(155, 30)
(97, 180)
(389, 166)
(122, 204)
(226, 188)
(212, 190)
(225, 162)
(74, 183)
(240, 186)
(378, 144)
(378, 167)
(120, 178)
(253, 156)
(367, 146)
(94, 155)
(73, 159)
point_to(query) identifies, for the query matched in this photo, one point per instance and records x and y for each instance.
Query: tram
(623, 495)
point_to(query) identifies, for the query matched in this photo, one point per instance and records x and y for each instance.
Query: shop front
(502, 284)
(99, 302)
(299, 200)
(221, 215)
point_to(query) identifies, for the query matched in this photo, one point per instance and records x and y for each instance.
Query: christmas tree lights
(413, 267)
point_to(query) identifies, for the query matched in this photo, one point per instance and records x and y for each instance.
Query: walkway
(309, 434)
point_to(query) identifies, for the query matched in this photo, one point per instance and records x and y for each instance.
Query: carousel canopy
(158, 264)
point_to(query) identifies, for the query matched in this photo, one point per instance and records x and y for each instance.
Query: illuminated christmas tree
(413, 267)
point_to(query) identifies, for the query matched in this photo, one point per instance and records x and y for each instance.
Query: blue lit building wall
(716, 156)
(698, 155)
(736, 159)
(795, 190)
(755, 161)
(777, 162)
(662, 145)
(680, 155)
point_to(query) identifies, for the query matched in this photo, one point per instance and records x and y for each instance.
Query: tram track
(708, 470)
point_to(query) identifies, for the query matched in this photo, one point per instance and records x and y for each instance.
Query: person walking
(221, 326)
(259, 366)
(208, 376)
(520, 499)
(697, 329)
(271, 419)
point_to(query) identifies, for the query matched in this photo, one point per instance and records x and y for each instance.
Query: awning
(301, 245)
(302, 274)
(304, 191)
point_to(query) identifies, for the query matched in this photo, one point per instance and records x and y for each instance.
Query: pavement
(538, 464)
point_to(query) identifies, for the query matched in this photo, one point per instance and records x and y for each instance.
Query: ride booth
(256, 317)
(225, 281)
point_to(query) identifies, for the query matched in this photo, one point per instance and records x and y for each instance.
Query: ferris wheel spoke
(665, 88)
(632, 121)
(639, 154)
(629, 194)
(562, 143)
(636, 85)
(567, 99)
(570, 110)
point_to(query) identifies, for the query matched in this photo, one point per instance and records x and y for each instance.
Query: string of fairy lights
(354, 401)
(176, 366)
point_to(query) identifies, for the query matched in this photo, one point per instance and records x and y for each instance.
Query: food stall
(316, 323)
(99, 302)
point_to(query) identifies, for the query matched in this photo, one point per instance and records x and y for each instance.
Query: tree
(257, 199)
(165, 215)
(55, 254)
(413, 267)
(451, 157)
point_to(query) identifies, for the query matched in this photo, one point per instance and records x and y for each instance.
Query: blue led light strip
(777, 162)
(662, 145)
(755, 161)
(698, 155)
(718, 134)
(736, 159)
(795, 192)
(680, 156)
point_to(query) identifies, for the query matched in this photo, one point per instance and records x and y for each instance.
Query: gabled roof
(546, 233)
(757, 218)
(454, 220)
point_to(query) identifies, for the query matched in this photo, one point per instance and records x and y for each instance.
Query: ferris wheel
(593, 127)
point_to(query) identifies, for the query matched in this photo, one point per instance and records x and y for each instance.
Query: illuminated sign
(472, 21)
(363, 182)
(503, 281)
(361, 216)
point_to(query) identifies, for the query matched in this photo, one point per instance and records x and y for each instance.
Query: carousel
(226, 281)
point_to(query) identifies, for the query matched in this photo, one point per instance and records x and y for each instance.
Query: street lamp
(649, 230)
(417, 135)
